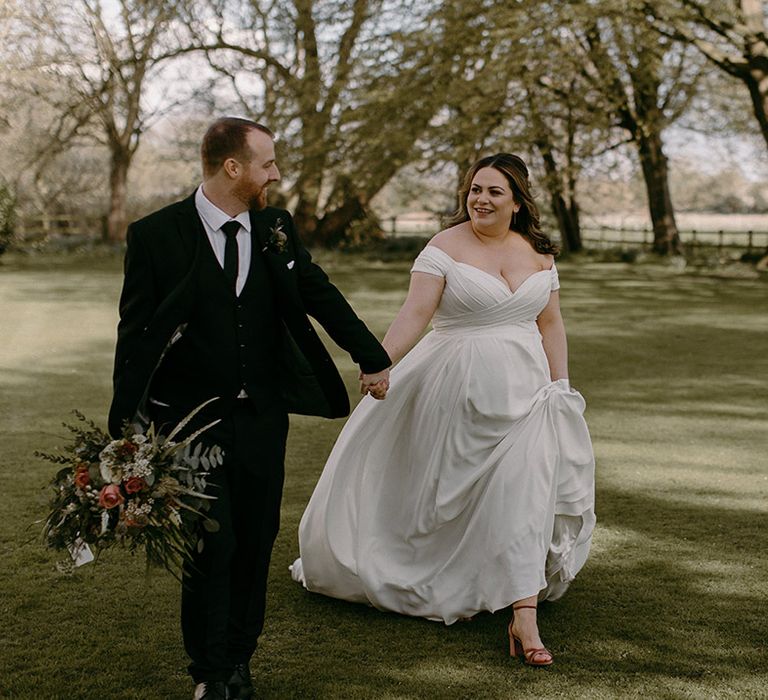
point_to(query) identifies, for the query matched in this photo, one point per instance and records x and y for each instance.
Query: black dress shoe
(240, 685)
(211, 690)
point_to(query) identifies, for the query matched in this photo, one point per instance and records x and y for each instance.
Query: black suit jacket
(158, 296)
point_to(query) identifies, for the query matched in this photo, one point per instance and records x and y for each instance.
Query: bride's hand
(378, 390)
(376, 384)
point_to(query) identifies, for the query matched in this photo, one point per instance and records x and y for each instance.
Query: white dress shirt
(213, 218)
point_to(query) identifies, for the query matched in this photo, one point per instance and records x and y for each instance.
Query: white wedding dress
(472, 485)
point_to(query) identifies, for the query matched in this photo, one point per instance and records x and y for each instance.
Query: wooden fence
(75, 229)
(44, 227)
(611, 237)
(720, 239)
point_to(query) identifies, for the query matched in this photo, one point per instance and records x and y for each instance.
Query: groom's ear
(232, 168)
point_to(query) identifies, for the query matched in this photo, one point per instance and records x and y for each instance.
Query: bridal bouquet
(143, 490)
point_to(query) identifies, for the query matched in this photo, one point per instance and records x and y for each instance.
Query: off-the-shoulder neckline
(490, 274)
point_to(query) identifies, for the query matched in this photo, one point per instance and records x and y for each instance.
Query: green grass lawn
(671, 604)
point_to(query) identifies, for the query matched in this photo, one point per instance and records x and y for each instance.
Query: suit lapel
(277, 263)
(190, 228)
(259, 231)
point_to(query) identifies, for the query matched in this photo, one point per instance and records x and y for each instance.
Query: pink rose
(110, 496)
(134, 484)
(82, 477)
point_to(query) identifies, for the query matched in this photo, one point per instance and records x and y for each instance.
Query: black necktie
(230, 252)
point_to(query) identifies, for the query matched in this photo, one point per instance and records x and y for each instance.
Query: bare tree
(560, 177)
(645, 83)
(91, 64)
(566, 122)
(731, 34)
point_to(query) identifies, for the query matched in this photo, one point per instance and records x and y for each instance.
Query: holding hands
(375, 384)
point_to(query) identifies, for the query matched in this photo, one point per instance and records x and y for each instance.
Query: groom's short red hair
(227, 138)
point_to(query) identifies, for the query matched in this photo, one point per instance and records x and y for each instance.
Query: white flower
(107, 472)
(141, 467)
(104, 522)
(134, 508)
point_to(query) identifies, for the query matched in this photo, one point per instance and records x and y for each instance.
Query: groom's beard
(259, 201)
(253, 196)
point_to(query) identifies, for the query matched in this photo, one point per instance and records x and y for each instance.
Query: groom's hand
(375, 384)
(378, 391)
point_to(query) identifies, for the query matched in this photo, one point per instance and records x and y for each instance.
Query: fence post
(749, 241)
(45, 220)
(720, 240)
(393, 225)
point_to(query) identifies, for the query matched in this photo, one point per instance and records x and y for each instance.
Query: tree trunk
(567, 217)
(332, 228)
(305, 221)
(666, 239)
(757, 83)
(117, 219)
(309, 183)
(756, 54)
(464, 161)
(566, 213)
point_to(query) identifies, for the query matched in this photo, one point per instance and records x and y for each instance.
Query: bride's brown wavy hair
(527, 220)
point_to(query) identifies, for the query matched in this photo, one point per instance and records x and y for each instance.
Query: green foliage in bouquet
(141, 491)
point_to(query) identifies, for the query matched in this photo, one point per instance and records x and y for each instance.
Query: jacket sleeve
(324, 302)
(138, 301)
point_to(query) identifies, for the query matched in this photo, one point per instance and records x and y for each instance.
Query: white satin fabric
(472, 485)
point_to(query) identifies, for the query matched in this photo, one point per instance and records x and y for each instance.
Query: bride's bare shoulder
(449, 239)
(547, 260)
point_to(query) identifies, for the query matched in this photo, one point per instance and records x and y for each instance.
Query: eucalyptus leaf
(211, 525)
(63, 473)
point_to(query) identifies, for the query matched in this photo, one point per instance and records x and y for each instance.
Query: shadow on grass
(667, 607)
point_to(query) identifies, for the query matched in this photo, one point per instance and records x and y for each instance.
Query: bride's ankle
(525, 612)
(524, 620)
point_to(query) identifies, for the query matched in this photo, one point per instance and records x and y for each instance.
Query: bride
(472, 487)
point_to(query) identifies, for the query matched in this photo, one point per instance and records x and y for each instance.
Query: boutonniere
(278, 239)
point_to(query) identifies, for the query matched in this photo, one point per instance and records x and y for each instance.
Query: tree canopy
(359, 90)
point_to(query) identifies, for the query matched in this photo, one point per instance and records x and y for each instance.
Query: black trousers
(224, 595)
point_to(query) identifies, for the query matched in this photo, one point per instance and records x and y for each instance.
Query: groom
(215, 300)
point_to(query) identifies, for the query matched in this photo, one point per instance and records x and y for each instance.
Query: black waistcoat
(230, 343)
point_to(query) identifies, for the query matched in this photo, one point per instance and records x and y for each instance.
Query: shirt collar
(215, 217)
